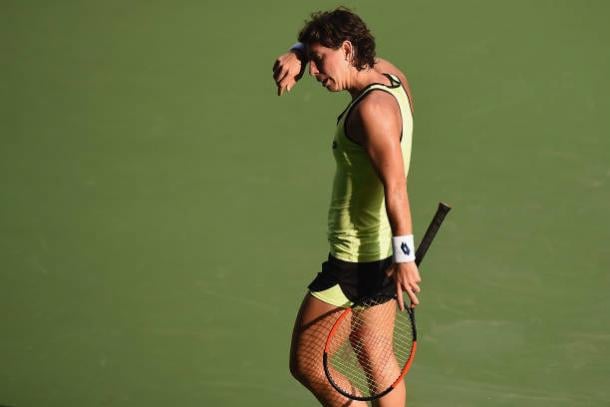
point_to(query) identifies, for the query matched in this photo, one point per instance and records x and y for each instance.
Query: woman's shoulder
(376, 104)
(384, 66)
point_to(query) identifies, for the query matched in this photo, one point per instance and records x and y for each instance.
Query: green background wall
(162, 210)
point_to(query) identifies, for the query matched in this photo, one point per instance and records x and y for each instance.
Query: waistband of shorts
(348, 265)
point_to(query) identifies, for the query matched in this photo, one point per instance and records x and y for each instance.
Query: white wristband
(404, 249)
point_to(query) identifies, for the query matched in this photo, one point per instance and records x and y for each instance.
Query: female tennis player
(369, 219)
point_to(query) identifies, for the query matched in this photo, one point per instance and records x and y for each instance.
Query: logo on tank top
(334, 144)
(405, 248)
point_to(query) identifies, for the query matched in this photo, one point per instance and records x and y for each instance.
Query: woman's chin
(332, 88)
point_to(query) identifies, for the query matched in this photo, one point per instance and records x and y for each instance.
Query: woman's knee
(306, 370)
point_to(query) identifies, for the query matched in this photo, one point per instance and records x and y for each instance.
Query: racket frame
(421, 251)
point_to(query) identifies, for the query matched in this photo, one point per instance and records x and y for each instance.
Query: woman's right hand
(287, 70)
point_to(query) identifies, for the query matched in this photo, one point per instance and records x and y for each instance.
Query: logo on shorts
(405, 248)
(334, 145)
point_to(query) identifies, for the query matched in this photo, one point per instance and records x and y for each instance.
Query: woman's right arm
(287, 70)
(289, 67)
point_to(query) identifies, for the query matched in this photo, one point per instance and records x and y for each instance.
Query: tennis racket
(371, 346)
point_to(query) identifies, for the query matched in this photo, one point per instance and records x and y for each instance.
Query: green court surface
(162, 210)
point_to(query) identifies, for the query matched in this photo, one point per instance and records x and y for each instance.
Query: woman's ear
(348, 50)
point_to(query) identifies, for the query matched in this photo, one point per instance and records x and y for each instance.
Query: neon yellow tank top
(358, 225)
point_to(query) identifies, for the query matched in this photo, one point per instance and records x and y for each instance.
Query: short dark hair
(331, 28)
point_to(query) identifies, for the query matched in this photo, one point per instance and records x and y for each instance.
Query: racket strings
(370, 348)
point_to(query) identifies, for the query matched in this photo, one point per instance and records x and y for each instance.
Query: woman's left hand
(407, 279)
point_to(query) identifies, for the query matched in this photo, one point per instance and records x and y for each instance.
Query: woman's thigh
(313, 323)
(311, 328)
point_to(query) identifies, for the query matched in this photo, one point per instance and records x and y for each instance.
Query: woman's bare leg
(378, 322)
(311, 328)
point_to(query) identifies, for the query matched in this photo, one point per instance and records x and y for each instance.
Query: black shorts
(356, 280)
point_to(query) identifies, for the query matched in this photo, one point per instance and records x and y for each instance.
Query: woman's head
(336, 41)
(332, 28)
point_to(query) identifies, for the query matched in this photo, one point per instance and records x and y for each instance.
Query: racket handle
(434, 226)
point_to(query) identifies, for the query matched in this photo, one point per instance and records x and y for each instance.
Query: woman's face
(329, 66)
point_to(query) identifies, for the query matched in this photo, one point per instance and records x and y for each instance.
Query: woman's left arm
(377, 126)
